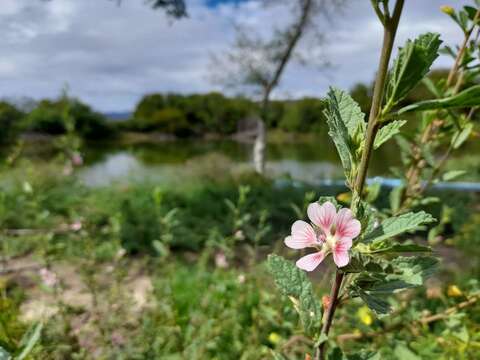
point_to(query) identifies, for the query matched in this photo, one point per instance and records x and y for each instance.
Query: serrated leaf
(464, 99)
(400, 274)
(294, 283)
(399, 224)
(386, 132)
(453, 174)
(375, 303)
(411, 65)
(345, 121)
(350, 112)
(363, 262)
(415, 269)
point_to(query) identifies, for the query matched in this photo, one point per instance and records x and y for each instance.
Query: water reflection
(166, 162)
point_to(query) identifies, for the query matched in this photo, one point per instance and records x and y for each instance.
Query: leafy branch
(390, 25)
(425, 320)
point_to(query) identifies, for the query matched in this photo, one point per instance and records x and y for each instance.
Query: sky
(110, 56)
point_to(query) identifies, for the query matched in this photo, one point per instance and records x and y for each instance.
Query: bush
(10, 118)
(46, 118)
(51, 117)
(89, 124)
(140, 225)
(304, 115)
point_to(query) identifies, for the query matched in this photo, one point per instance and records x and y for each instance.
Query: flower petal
(311, 261)
(340, 252)
(323, 216)
(302, 236)
(346, 225)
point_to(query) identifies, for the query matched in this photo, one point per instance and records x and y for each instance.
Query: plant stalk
(458, 59)
(390, 30)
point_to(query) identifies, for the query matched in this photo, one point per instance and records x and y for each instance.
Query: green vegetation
(193, 282)
(182, 115)
(10, 118)
(49, 117)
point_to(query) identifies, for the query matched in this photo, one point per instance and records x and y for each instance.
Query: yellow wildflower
(454, 291)
(365, 315)
(274, 338)
(344, 197)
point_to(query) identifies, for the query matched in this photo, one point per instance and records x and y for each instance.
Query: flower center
(330, 241)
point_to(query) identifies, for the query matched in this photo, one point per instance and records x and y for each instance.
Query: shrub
(140, 225)
(51, 117)
(10, 117)
(46, 118)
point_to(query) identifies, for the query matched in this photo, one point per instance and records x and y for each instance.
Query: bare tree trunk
(259, 147)
(260, 140)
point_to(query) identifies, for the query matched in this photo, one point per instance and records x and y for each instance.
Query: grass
(142, 277)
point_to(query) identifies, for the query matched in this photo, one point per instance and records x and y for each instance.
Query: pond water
(309, 161)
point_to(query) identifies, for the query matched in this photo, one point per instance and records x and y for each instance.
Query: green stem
(390, 29)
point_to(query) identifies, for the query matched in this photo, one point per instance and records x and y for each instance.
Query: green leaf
(350, 113)
(29, 340)
(399, 224)
(386, 132)
(395, 198)
(345, 122)
(401, 273)
(461, 136)
(430, 85)
(414, 269)
(324, 199)
(453, 174)
(464, 99)
(391, 246)
(294, 283)
(360, 261)
(375, 303)
(411, 65)
(373, 190)
(404, 353)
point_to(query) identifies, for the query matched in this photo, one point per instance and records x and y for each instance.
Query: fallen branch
(13, 270)
(27, 232)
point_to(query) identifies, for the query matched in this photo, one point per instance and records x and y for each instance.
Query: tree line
(179, 115)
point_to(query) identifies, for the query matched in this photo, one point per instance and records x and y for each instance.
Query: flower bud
(447, 10)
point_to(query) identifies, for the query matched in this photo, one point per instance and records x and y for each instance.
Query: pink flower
(76, 226)
(221, 260)
(49, 278)
(77, 159)
(330, 232)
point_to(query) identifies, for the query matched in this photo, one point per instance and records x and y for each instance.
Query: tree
(10, 117)
(259, 62)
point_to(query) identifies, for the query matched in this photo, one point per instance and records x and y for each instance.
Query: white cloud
(110, 56)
